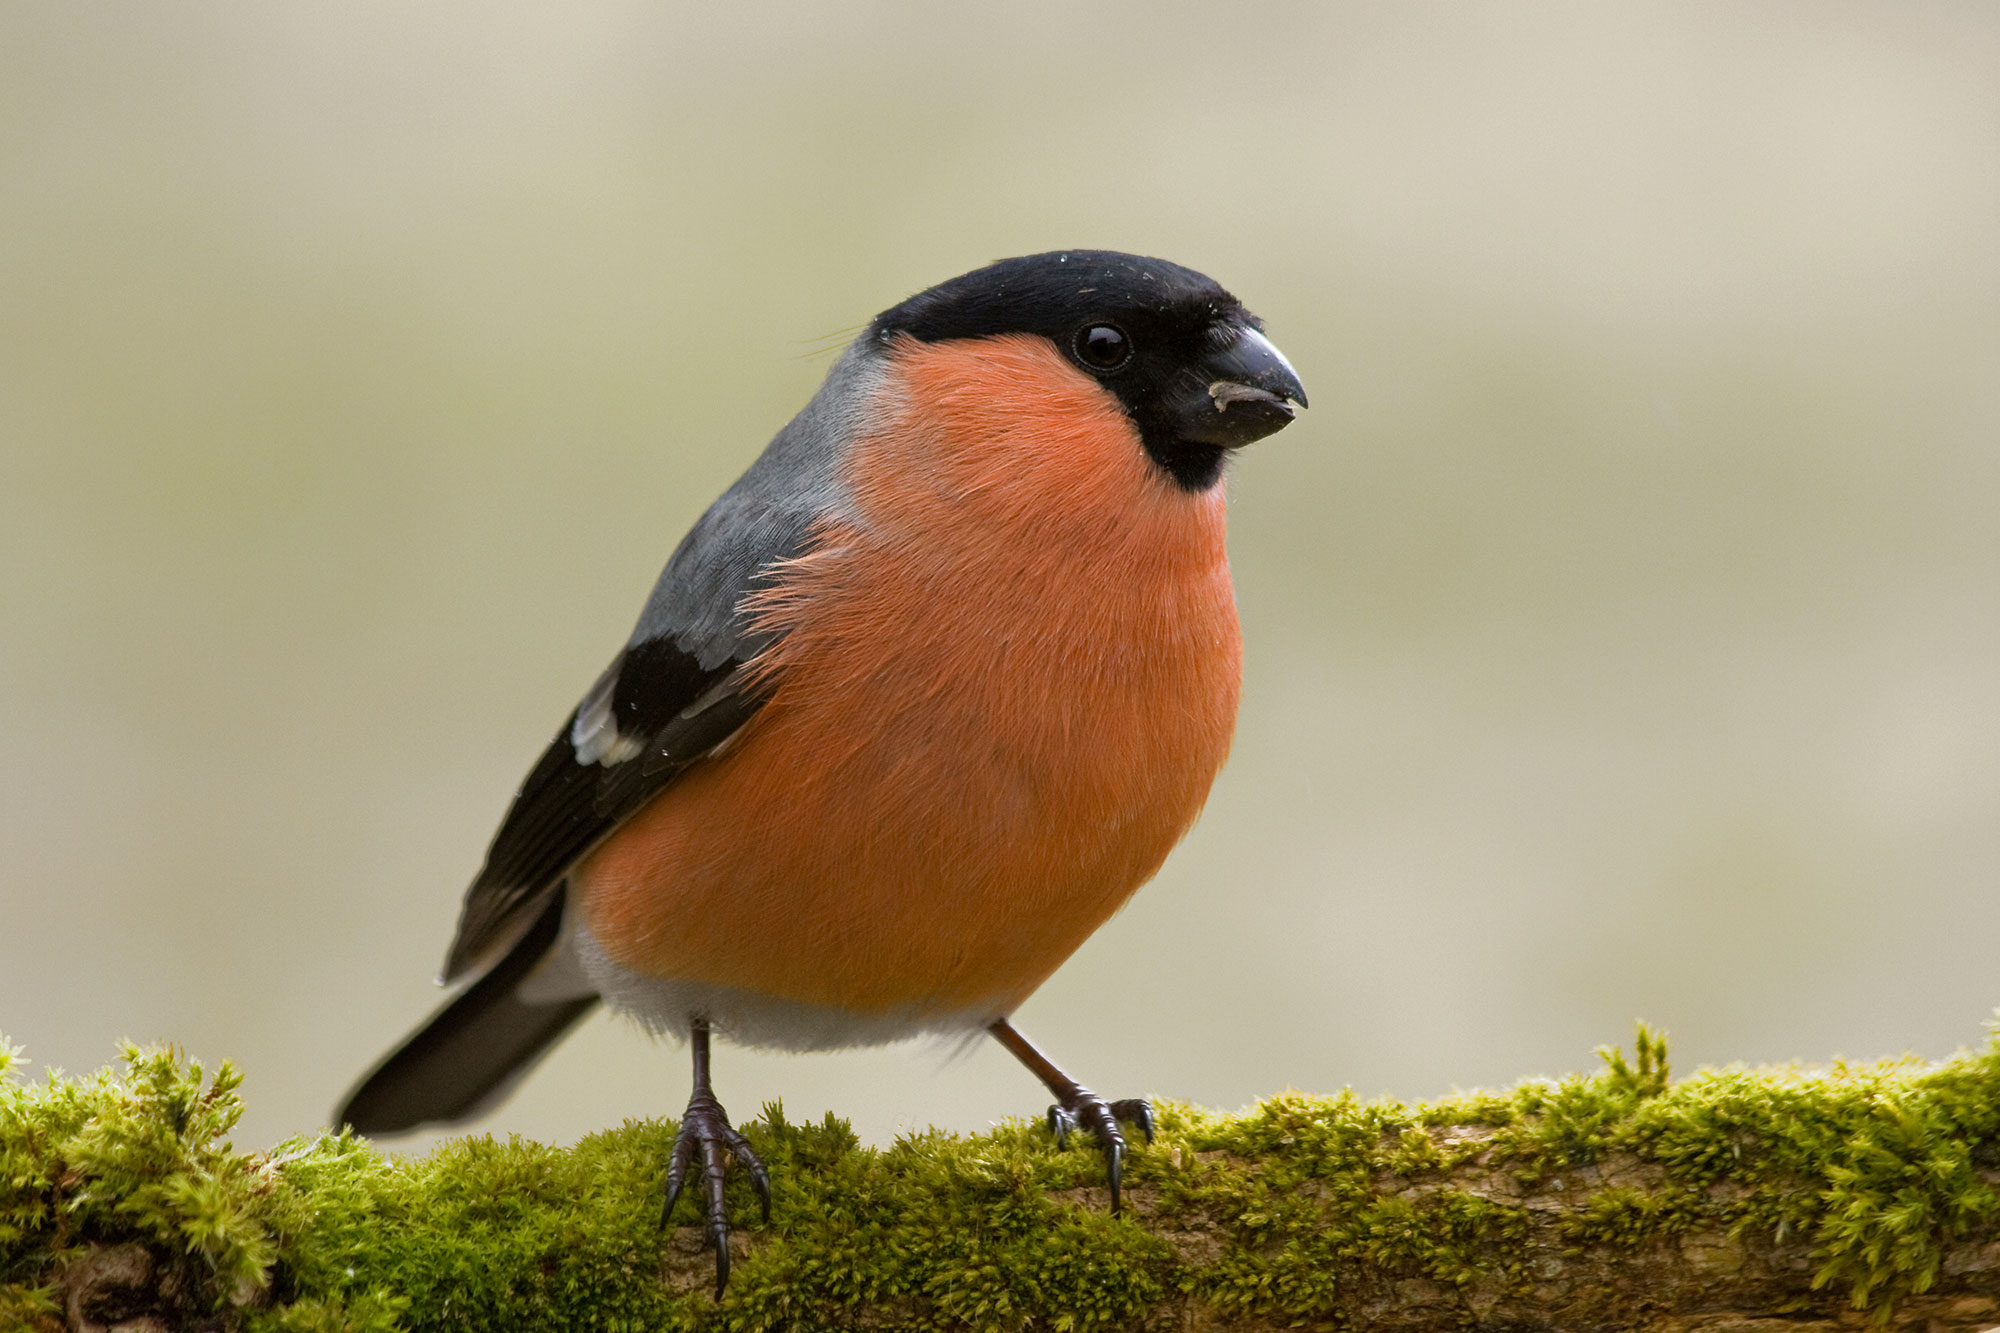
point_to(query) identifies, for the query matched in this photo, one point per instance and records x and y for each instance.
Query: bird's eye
(1103, 346)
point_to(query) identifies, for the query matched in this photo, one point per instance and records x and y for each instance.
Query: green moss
(1286, 1212)
(1631, 1217)
(141, 1158)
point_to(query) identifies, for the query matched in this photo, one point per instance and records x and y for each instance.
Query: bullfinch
(915, 707)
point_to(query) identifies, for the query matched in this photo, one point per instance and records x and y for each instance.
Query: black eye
(1103, 347)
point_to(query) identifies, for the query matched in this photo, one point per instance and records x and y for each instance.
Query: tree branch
(1809, 1198)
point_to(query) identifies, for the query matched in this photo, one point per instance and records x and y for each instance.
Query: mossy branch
(1848, 1195)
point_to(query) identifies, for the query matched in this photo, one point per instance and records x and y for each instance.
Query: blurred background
(1623, 621)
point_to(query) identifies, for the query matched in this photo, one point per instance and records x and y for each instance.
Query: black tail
(472, 1051)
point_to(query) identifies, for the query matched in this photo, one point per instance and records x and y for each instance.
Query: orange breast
(1002, 693)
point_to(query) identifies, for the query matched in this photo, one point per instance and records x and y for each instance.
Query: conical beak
(1251, 391)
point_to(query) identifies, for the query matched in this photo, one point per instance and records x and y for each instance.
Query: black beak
(1247, 391)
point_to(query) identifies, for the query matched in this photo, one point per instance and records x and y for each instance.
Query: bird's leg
(706, 1130)
(1077, 1107)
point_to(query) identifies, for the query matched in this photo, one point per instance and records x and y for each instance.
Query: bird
(918, 703)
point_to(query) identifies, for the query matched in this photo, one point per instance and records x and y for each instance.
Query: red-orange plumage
(1003, 689)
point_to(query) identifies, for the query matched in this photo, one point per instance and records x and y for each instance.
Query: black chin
(1192, 467)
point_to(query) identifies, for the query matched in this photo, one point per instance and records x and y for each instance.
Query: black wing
(654, 711)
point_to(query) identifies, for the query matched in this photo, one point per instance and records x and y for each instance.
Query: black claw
(1136, 1111)
(760, 1179)
(1077, 1107)
(706, 1128)
(715, 1171)
(677, 1165)
(1084, 1109)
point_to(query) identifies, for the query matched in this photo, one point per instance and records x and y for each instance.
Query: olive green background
(1623, 620)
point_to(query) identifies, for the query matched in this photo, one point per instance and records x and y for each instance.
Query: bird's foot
(1083, 1109)
(706, 1131)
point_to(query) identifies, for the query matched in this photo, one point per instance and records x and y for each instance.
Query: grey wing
(655, 711)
